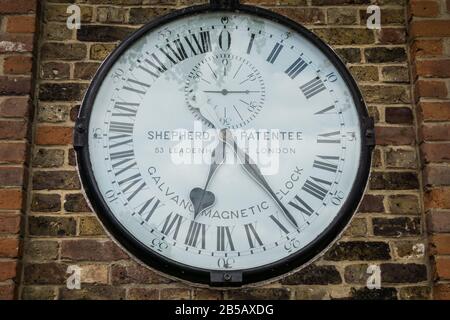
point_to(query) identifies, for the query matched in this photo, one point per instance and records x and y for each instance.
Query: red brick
(16, 43)
(392, 36)
(53, 135)
(13, 152)
(16, 107)
(7, 270)
(11, 176)
(435, 132)
(433, 68)
(422, 48)
(443, 268)
(9, 247)
(17, 6)
(435, 152)
(10, 199)
(441, 291)
(20, 24)
(13, 130)
(438, 198)
(7, 292)
(430, 28)
(14, 85)
(430, 89)
(9, 224)
(424, 8)
(435, 111)
(436, 175)
(92, 250)
(440, 243)
(394, 135)
(17, 65)
(438, 221)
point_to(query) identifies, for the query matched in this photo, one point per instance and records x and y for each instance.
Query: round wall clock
(224, 144)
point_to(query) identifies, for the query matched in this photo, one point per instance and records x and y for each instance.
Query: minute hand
(253, 170)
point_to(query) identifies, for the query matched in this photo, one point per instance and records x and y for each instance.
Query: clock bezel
(186, 272)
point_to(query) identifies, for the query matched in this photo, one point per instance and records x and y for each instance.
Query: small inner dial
(231, 85)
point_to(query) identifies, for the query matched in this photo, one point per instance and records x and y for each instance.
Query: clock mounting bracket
(226, 278)
(224, 4)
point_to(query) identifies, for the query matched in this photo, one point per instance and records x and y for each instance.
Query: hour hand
(200, 197)
(252, 169)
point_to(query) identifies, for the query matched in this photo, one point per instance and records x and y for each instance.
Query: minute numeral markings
(279, 224)
(330, 137)
(124, 130)
(196, 229)
(252, 235)
(274, 53)
(326, 110)
(179, 52)
(125, 109)
(299, 204)
(224, 239)
(296, 68)
(324, 163)
(172, 225)
(313, 87)
(136, 86)
(130, 182)
(317, 187)
(152, 204)
(157, 67)
(203, 46)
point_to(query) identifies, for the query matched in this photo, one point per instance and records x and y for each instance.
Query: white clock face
(154, 124)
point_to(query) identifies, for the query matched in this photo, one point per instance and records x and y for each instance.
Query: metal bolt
(227, 276)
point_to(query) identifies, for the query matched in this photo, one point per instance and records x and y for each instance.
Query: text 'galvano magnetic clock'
(224, 144)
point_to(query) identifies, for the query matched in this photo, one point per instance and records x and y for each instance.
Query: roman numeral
(252, 235)
(326, 165)
(312, 87)
(136, 86)
(301, 205)
(331, 137)
(279, 224)
(172, 225)
(203, 46)
(196, 229)
(120, 158)
(325, 111)
(316, 187)
(133, 183)
(121, 127)
(250, 44)
(154, 66)
(179, 52)
(121, 154)
(296, 68)
(224, 239)
(125, 109)
(125, 131)
(274, 53)
(147, 208)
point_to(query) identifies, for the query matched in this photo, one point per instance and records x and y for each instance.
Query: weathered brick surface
(388, 228)
(431, 71)
(17, 27)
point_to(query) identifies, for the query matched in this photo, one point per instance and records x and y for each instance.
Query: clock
(224, 145)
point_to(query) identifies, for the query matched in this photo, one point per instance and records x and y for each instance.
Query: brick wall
(17, 26)
(388, 230)
(430, 55)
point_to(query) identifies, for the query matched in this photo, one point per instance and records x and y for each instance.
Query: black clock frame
(184, 271)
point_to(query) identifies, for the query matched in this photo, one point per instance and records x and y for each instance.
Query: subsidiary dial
(231, 85)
